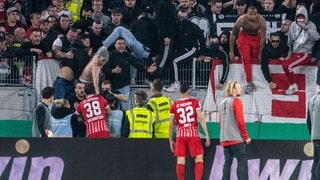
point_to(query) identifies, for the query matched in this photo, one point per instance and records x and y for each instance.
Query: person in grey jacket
(42, 120)
(301, 39)
(313, 122)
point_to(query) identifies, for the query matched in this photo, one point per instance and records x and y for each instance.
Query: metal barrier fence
(17, 71)
(17, 82)
(195, 73)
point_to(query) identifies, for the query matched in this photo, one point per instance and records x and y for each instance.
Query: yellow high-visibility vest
(141, 122)
(161, 107)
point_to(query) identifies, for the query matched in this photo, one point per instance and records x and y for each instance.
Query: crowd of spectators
(155, 32)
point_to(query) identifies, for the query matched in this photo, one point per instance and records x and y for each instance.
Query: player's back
(185, 113)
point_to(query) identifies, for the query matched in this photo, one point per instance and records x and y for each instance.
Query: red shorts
(193, 144)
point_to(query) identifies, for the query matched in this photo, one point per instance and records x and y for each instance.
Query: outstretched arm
(96, 68)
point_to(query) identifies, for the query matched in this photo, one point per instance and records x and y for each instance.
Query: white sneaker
(292, 89)
(173, 87)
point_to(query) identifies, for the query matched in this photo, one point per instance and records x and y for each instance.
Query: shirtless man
(251, 31)
(91, 73)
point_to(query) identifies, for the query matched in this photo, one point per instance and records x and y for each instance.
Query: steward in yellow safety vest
(140, 119)
(160, 105)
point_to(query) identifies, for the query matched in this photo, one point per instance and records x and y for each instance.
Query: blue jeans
(62, 88)
(131, 42)
(114, 123)
(125, 91)
(316, 160)
(237, 151)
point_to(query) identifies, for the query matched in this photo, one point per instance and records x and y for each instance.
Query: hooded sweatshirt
(302, 40)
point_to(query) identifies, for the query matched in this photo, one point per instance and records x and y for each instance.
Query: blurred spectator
(186, 5)
(160, 106)
(190, 43)
(19, 37)
(18, 5)
(61, 48)
(146, 32)
(77, 123)
(217, 53)
(117, 70)
(13, 20)
(61, 10)
(213, 15)
(95, 121)
(97, 6)
(198, 8)
(288, 7)
(273, 50)
(61, 119)
(224, 39)
(113, 97)
(82, 51)
(3, 12)
(96, 35)
(240, 8)
(8, 69)
(85, 21)
(131, 12)
(53, 21)
(42, 120)
(116, 29)
(63, 25)
(284, 31)
(301, 39)
(165, 21)
(107, 89)
(269, 8)
(48, 34)
(35, 23)
(51, 11)
(139, 121)
(34, 46)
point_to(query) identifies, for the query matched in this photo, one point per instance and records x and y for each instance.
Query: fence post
(194, 73)
(34, 66)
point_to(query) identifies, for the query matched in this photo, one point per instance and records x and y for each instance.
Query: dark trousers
(237, 151)
(316, 160)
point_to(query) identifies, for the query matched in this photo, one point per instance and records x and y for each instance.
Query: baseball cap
(241, 2)
(2, 36)
(11, 9)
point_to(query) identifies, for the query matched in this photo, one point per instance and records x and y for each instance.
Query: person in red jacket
(233, 134)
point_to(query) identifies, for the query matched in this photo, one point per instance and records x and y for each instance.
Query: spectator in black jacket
(273, 50)
(189, 43)
(165, 21)
(131, 12)
(82, 52)
(146, 32)
(96, 35)
(117, 70)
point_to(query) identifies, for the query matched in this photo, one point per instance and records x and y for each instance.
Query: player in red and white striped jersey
(94, 110)
(186, 112)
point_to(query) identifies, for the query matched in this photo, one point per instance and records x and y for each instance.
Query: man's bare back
(91, 73)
